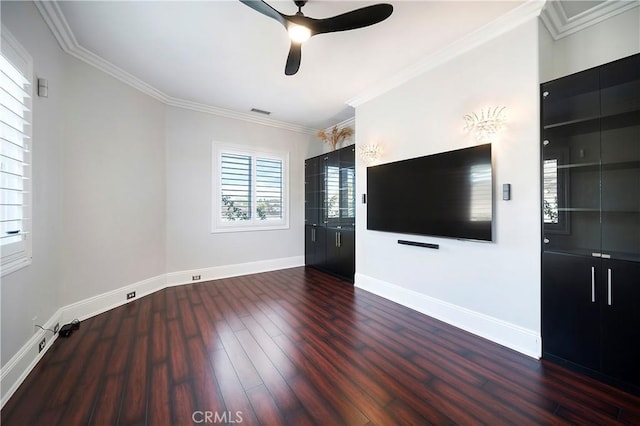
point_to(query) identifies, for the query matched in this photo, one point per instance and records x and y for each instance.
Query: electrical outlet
(42, 344)
(56, 328)
(131, 295)
(195, 277)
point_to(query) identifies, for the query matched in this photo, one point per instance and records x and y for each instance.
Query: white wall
(612, 39)
(493, 286)
(99, 187)
(190, 243)
(114, 185)
(33, 291)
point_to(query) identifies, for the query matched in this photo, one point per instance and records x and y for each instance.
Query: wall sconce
(486, 125)
(370, 153)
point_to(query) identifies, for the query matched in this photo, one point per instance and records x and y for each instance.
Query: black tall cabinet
(591, 220)
(330, 212)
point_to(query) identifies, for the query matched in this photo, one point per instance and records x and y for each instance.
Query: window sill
(249, 228)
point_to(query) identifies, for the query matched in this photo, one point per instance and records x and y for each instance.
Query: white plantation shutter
(269, 197)
(15, 155)
(250, 189)
(235, 184)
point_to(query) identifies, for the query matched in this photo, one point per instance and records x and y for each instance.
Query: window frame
(17, 255)
(253, 224)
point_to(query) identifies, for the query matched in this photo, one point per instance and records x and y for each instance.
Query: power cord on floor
(45, 329)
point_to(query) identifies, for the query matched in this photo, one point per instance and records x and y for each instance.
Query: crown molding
(222, 112)
(57, 23)
(349, 122)
(493, 29)
(559, 25)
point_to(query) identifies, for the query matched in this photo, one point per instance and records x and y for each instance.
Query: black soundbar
(417, 244)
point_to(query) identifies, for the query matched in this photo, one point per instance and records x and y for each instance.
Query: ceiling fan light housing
(298, 33)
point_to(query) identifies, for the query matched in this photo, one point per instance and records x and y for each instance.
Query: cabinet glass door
(311, 193)
(621, 159)
(621, 186)
(347, 186)
(572, 98)
(620, 86)
(332, 187)
(571, 187)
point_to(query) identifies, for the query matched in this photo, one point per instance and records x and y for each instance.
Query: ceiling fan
(301, 27)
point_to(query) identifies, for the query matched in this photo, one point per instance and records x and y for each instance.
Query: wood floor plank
(159, 399)
(107, 406)
(207, 389)
(177, 350)
(143, 321)
(69, 378)
(282, 394)
(326, 376)
(121, 349)
(134, 403)
(296, 346)
(158, 339)
(277, 356)
(233, 393)
(264, 406)
(244, 368)
(183, 404)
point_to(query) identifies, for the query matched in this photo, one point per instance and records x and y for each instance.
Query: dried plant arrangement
(335, 136)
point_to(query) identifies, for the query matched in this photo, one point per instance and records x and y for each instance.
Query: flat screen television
(448, 194)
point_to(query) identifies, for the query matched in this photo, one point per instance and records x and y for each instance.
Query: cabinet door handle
(336, 239)
(339, 239)
(609, 286)
(313, 235)
(593, 284)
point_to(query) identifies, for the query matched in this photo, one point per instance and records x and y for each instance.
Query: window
(15, 157)
(555, 189)
(550, 191)
(250, 190)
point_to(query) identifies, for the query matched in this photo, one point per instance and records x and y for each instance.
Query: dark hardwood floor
(295, 347)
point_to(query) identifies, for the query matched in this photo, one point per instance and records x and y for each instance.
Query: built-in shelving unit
(591, 221)
(330, 205)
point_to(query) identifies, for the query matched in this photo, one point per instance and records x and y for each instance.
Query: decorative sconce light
(370, 153)
(487, 124)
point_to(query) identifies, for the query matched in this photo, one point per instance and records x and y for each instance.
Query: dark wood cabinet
(621, 320)
(570, 315)
(315, 245)
(591, 221)
(330, 212)
(340, 246)
(591, 315)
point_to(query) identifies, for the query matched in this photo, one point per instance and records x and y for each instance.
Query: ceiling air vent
(260, 111)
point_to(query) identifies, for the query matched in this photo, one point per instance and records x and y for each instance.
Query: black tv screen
(445, 195)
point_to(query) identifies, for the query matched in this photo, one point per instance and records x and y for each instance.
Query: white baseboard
(95, 305)
(228, 271)
(20, 365)
(518, 338)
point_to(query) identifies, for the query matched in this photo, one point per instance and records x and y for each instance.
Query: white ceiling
(224, 54)
(228, 57)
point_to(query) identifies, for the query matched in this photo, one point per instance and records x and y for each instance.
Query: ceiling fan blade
(351, 20)
(293, 60)
(265, 9)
